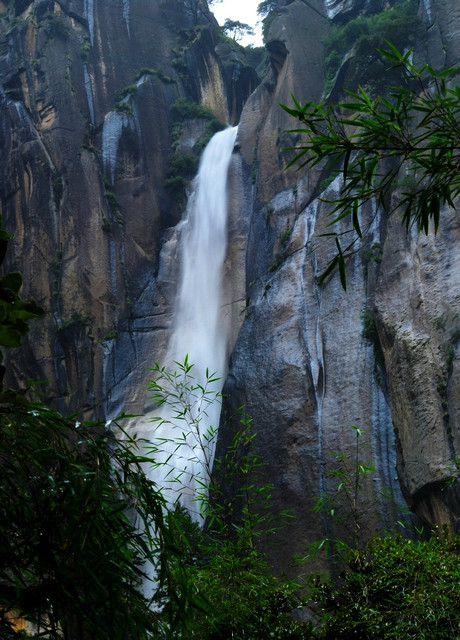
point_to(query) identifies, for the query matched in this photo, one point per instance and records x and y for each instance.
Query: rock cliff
(93, 159)
(93, 156)
(311, 361)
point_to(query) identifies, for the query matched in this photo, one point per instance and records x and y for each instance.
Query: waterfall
(199, 329)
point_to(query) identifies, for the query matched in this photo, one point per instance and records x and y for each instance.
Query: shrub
(182, 168)
(182, 109)
(369, 331)
(71, 560)
(114, 206)
(183, 164)
(396, 589)
(248, 601)
(364, 35)
(254, 56)
(126, 92)
(157, 73)
(267, 9)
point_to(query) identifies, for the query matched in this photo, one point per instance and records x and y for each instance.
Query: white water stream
(199, 330)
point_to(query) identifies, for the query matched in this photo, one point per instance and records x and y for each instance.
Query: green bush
(157, 73)
(364, 34)
(124, 107)
(175, 186)
(15, 313)
(114, 205)
(248, 601)
(267, 9)
(254, 56)
(184, 164)
(369, 331)
(183, 109)
(395, 589)
(182, 169)
(212, 127)
(71, 558)
(128, 91)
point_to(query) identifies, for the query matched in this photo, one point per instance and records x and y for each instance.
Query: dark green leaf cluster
(248, 601)
(236, 30)
(127, 92)
(183, 166)
(267, 9)
(255, 56)
(182, 169)
(395, 589)
(183, 163)
(114, 203)
(344, 505)
(157, 73)
(15, 313)
(363, 35)
(183, 109)
(79, 520)
(371, 143)
(267, 6)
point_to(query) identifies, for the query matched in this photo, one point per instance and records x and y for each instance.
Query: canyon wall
(88, 135)
(90, 119)
(310, 361)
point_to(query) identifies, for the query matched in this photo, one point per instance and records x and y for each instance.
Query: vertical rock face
(86, 120)
(311, 361)
(418, 303)
(88, 128)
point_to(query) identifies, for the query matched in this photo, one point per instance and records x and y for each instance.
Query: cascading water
(199, 330)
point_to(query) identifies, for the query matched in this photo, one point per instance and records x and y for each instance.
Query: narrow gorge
(105, 111)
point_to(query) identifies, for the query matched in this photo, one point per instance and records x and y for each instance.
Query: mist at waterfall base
(200, 332)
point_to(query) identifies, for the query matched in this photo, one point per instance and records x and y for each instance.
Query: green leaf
(331, 266)
(10, 337)
(356, 226)
(12, 281)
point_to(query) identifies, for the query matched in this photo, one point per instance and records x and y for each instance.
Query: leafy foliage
(236, 29)
(249, 602)
(351, 476)
(267, 9)
(414, 132)
(71, 553)
(398, 589)
(15, 313)
(228, 492)
(183, 166)
(344, 506)
(79, 519)
(183, 109)
(255, 56)
(361, 37)
(245, 599)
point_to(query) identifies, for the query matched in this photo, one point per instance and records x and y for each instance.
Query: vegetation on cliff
(267, 10)
(15, 313)
(399, 150)
(359, 39)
